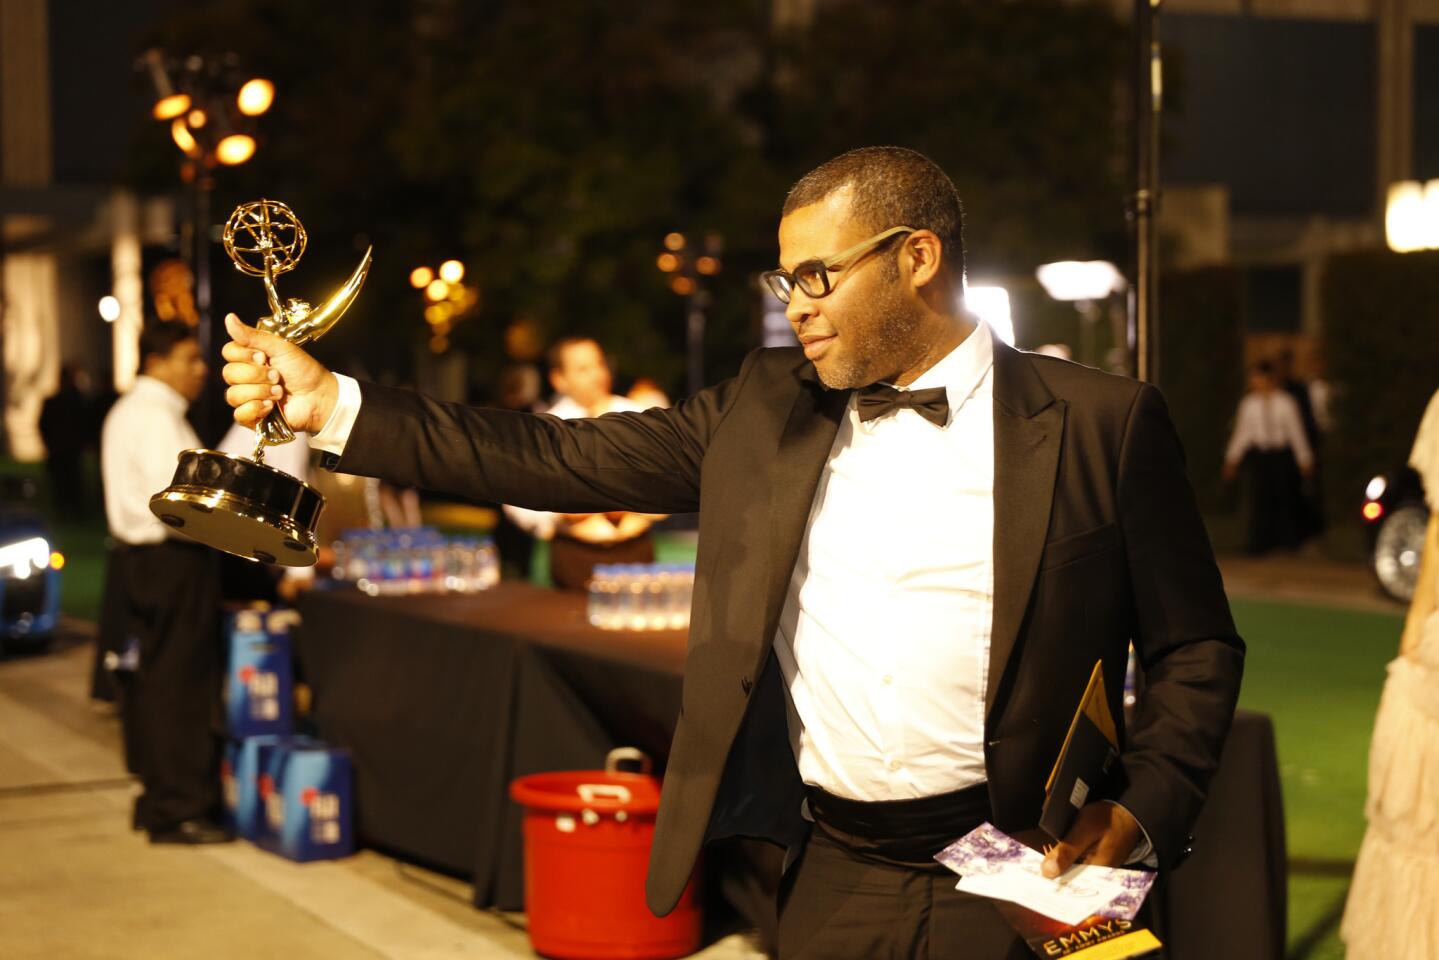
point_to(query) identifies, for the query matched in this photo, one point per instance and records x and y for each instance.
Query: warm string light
(447, 299)
(684, 264)
(198, 106)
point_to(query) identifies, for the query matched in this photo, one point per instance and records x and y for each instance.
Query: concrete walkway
(76, 883)
(1306, 578)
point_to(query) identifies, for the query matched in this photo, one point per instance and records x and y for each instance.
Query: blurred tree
(551, 146)
(1022, 103)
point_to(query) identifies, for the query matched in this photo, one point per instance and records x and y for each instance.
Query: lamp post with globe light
(447, 299)
(687, 266)
(211, 107)
(1087, 284)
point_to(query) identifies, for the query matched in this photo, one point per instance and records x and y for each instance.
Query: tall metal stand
(1148, 109)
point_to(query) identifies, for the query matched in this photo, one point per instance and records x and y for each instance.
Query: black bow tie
(877, 399)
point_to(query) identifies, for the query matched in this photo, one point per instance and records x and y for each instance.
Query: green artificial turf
(1318, 673)
(77, 531)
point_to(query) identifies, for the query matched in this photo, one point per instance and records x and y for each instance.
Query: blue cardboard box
(309, 808)
(251, 766)
(260, 687)
(229, 784)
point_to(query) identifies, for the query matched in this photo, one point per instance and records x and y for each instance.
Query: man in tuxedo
(915, 543)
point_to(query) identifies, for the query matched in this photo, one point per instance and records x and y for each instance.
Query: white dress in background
(1393, 908)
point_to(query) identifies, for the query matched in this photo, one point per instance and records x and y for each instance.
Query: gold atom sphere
(264, 237)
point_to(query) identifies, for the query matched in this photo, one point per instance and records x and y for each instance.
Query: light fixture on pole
(991, 304)
(447, 299)
(687, 265)
(1411, 216)
(210, 112)
(1086, 284)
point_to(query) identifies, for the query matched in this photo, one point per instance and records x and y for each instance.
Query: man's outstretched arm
(647, 462)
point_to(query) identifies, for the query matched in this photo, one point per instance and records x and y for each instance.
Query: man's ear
(925, 252)
(557, 381)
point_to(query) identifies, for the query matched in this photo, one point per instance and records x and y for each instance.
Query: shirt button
(888, 680)
(894, 764)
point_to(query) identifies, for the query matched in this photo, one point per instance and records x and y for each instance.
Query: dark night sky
(1281, 110)
(1426, 102)
(96, 94)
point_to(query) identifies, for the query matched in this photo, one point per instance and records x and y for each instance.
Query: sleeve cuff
(336, 432)
(1143, 851)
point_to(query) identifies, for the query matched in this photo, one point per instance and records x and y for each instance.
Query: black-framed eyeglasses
(812, 276)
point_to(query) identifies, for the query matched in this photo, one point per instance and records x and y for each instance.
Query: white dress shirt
(144, 433)
(1269, 421)
(884, 638)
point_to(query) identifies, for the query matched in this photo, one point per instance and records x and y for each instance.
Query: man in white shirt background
(583, 383)
(163, 597)
(1270, 442)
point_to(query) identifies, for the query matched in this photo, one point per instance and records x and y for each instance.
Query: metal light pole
(1148, 109)
(210, 113)
(686, 265)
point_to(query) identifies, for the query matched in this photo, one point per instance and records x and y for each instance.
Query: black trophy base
(242, 507)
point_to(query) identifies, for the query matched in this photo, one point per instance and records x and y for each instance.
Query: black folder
(1086, 759)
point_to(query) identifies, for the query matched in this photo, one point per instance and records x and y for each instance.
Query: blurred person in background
(69, 427)
(581, 378)
(163, 597)
(1321, 397)
(1293, 383)
(647, 394)
(1269, 443)
(244, 581)
(518, 388)
(1393, 907)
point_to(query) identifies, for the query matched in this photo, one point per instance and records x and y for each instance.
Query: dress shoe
(193, 831)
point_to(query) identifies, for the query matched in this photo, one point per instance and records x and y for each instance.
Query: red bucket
(587, 849)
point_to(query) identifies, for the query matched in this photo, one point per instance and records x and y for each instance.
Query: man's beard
(885, 349)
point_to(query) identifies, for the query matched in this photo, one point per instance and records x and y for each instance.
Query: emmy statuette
(238, 504)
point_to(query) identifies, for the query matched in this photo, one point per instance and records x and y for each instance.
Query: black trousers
(1277, 513)
(169, 599)
(867, 886)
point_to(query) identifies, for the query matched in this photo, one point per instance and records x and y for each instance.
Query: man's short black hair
(555, 356)
(159, 338)
(891, 186)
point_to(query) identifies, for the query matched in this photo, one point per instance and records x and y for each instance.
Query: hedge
(1380, 315)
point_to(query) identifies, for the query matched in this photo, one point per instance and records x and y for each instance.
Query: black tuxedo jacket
(1097, 541)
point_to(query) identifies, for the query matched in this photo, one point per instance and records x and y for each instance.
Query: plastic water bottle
(341, 550)
(677, 605)
(595, 603)
(638, 588)
(489, 564)
(611, 613)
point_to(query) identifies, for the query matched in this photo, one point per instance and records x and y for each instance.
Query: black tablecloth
(443, 700)
(1229, 898)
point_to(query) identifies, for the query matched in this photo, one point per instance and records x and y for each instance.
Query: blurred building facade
(68, 236)
(1287, 122)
